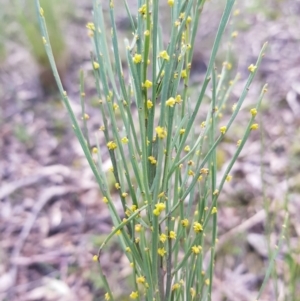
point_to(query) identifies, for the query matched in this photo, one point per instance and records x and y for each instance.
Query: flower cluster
(223, 129)
(161, 252)
(111, 145)
(152, 160)
(159, 207)
(197, 227)
(161, 132)
(164, 55)
(196, 249)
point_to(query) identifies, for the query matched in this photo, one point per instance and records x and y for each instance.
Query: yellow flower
(159, 207)
(161, 251)
(143, 9)
(207, 281)
(118, 232)
(115, 107)
(177, 23)
(187, 148)
(161, 132)
(86, 116)
(254, 126)
(124, 194)
(133, 208)
(152, 160)
(172, 235)
(163, 237)
(181, 131)
(214, 210)
(111, 145)
(134, 295)
(238, 143)
(124, 140)
(138, 227)
(193, 292)
(252, 68)
(137, 58)
(196, 249)
(171, 2)
(117, 185)
(229, 66)
(170, 102)
(175, 286)
(236, 12)
(188, 20)
(147, 84)
(162, 194)
(203, 124)
(107, 297)
(105, 200)
(44, 40)
(149, 104)
(156, 212)
(228, 178)
(147, 33)
(184, 74)
(140, 279)
(178, 99)
(204, 171)
(234, 34)
(95, 258)
(164, 55)
(223, 129)
(216, 192)
(90, 26)
(185, 222)
(253, 112)
(96, 65)
(191, 173)
(197, 227)
(41, 12)
(95, 150)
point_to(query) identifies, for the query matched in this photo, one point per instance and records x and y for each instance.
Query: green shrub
(164, 161)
